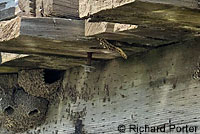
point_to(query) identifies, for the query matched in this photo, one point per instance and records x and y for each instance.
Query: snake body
(109, 46)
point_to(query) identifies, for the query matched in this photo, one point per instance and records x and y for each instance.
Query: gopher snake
(111, 47)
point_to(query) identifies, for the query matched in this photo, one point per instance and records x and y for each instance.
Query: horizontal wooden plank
(91, 7)
(131, 34)
(21, 61)
(155, 21)
(46, 8)
(52, 36)
(40, 8)
(7, 13)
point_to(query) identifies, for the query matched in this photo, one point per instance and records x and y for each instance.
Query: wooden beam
(20, 61)
(7, 13)
(39, 8)
(123, 32)
(149, 15)
(91, 7)
(158, 22)
(45, 8)
(8, 9)
(52, 36)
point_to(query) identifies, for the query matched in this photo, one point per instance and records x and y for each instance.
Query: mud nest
(21, 111)
(40, 82)
(8, 81)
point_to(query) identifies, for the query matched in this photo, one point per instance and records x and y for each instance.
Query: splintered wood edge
(6, 57)
(10, 29)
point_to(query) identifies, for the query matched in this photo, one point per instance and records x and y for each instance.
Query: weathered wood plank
(21, 61)
(8, 9)
(53, 36)
(60, 8)
(127, 33)
(48, 36)
(149, 14)
(90, 7)
(155, 21)
(7, 13)
(45, 8)
(39, 8)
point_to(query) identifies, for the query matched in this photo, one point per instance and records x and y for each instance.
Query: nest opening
(51, 76)
(9, 110)
(34, 112)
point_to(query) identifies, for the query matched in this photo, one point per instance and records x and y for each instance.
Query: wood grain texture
(8, 9)
(7, 13)
(131, 34)
(54, 36)
(59, 8)
(49, 36)
(21, 61)
(148, 89)
(167, 23)
(6, 57)
(91, 7)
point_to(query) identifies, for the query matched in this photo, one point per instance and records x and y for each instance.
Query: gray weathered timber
(46, 8)
(7, 13)
(7, 9)
(148, 89)
(22, 61)
(132, 34)
(91, 7)
(55, 36)
(39, 8)
(166, 22)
